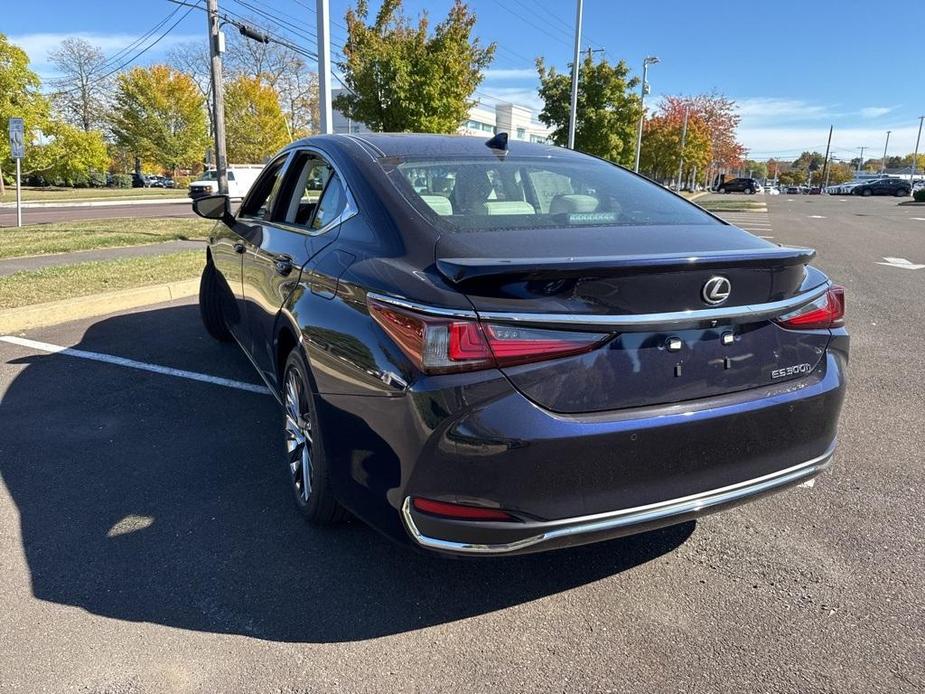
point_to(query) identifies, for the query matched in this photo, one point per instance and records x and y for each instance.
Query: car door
(300, 220)
(250, 228)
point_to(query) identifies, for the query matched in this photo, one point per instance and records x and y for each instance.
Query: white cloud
(525, 73)
(876, 111)
(38, 45)
(785, 142)
(516, 95)
(761, 110)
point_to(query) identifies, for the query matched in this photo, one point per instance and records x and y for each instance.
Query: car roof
(431, 145)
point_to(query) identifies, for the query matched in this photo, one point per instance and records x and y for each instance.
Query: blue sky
(794, 68)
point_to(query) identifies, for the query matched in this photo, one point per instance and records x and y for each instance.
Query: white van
(240, 179)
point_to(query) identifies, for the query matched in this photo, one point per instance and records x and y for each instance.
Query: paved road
(44, 215)
(148, 542)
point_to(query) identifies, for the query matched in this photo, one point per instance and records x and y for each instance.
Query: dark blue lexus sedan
(499, 348)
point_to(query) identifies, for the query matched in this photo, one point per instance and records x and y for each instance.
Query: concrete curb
(41, 315)
(110, 202)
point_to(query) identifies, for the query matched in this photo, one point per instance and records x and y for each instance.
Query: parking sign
(17, 146)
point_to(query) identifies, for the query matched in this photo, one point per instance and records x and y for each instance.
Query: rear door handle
(283, 264)
(239, 247)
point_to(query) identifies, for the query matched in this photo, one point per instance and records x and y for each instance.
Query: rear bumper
(518, 538)
(572, 479)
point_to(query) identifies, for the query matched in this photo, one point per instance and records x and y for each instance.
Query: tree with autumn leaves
(710, 146)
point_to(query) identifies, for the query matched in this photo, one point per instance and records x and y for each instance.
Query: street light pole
(643, 90)
(324, 66)
(573, 106)
(861, 158)
(886, 144)
(915, 156)
(216, 48)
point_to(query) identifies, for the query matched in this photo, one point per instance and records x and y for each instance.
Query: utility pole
(861, 158)
(915, 156)
(825, 166)
(216, 48)
(683, 142)
(573, 106)
(885, 145)
(323, 14)
(643, 90)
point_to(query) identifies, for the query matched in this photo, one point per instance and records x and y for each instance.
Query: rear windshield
(483, 194)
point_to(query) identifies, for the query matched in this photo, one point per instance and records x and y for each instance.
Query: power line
(139, 53)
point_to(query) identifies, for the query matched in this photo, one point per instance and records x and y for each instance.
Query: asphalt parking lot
(148, 542)
(47, 215)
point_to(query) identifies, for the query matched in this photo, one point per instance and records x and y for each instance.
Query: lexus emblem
(716, 290)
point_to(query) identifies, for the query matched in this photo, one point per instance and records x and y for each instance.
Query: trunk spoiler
(462, 271)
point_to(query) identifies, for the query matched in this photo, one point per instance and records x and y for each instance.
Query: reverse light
(445, 509)
(828, 311)
(443, 345)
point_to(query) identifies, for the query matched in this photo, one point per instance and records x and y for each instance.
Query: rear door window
(313, 194)
(262, 195)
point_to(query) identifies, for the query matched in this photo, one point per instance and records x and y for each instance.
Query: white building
(519, 122)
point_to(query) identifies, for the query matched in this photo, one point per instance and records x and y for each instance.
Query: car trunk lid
(648, 286)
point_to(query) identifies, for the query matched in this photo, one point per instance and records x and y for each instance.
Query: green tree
(255, 125)
(67, 154)
(759, 169)
(159, 117)
(794, 177)
(399, 78)
(19, 97)
(608, 108)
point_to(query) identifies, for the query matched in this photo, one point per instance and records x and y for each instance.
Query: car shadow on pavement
(150, 498)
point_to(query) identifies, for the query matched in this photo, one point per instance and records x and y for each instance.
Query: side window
(332, 203)
(313, 193)
(260, 199)
(302, 190)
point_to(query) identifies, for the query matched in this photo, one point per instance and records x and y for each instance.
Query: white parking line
(132, 364)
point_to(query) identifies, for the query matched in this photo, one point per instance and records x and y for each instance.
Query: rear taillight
(828, 311)
(445, 509)
(443, 345)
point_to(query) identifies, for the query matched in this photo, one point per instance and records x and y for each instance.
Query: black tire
(867, 192)
(210, 306)
(318, 506)
(901, 193)
(722, 190)
(749, 191)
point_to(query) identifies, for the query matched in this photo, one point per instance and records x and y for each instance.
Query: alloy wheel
(298, 436)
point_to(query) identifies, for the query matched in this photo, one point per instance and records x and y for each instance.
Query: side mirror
(213, 207)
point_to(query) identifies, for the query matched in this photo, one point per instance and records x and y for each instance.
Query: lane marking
(816, 216)
(133, 364)
(918, 219)
(765, 237)
(901, 263)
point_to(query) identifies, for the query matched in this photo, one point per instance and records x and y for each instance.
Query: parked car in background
(772, 190)
(884, 186)
(749, 186)
(168, 182)
(505, 347)
(240, 179)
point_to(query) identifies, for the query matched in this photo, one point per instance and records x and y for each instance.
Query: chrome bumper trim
(638, 516)
(606, 322)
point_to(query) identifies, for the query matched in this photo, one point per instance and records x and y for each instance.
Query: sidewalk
(8, 266)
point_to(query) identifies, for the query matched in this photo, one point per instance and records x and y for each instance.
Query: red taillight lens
(460, 511)
(440, 345)
(828, 311)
